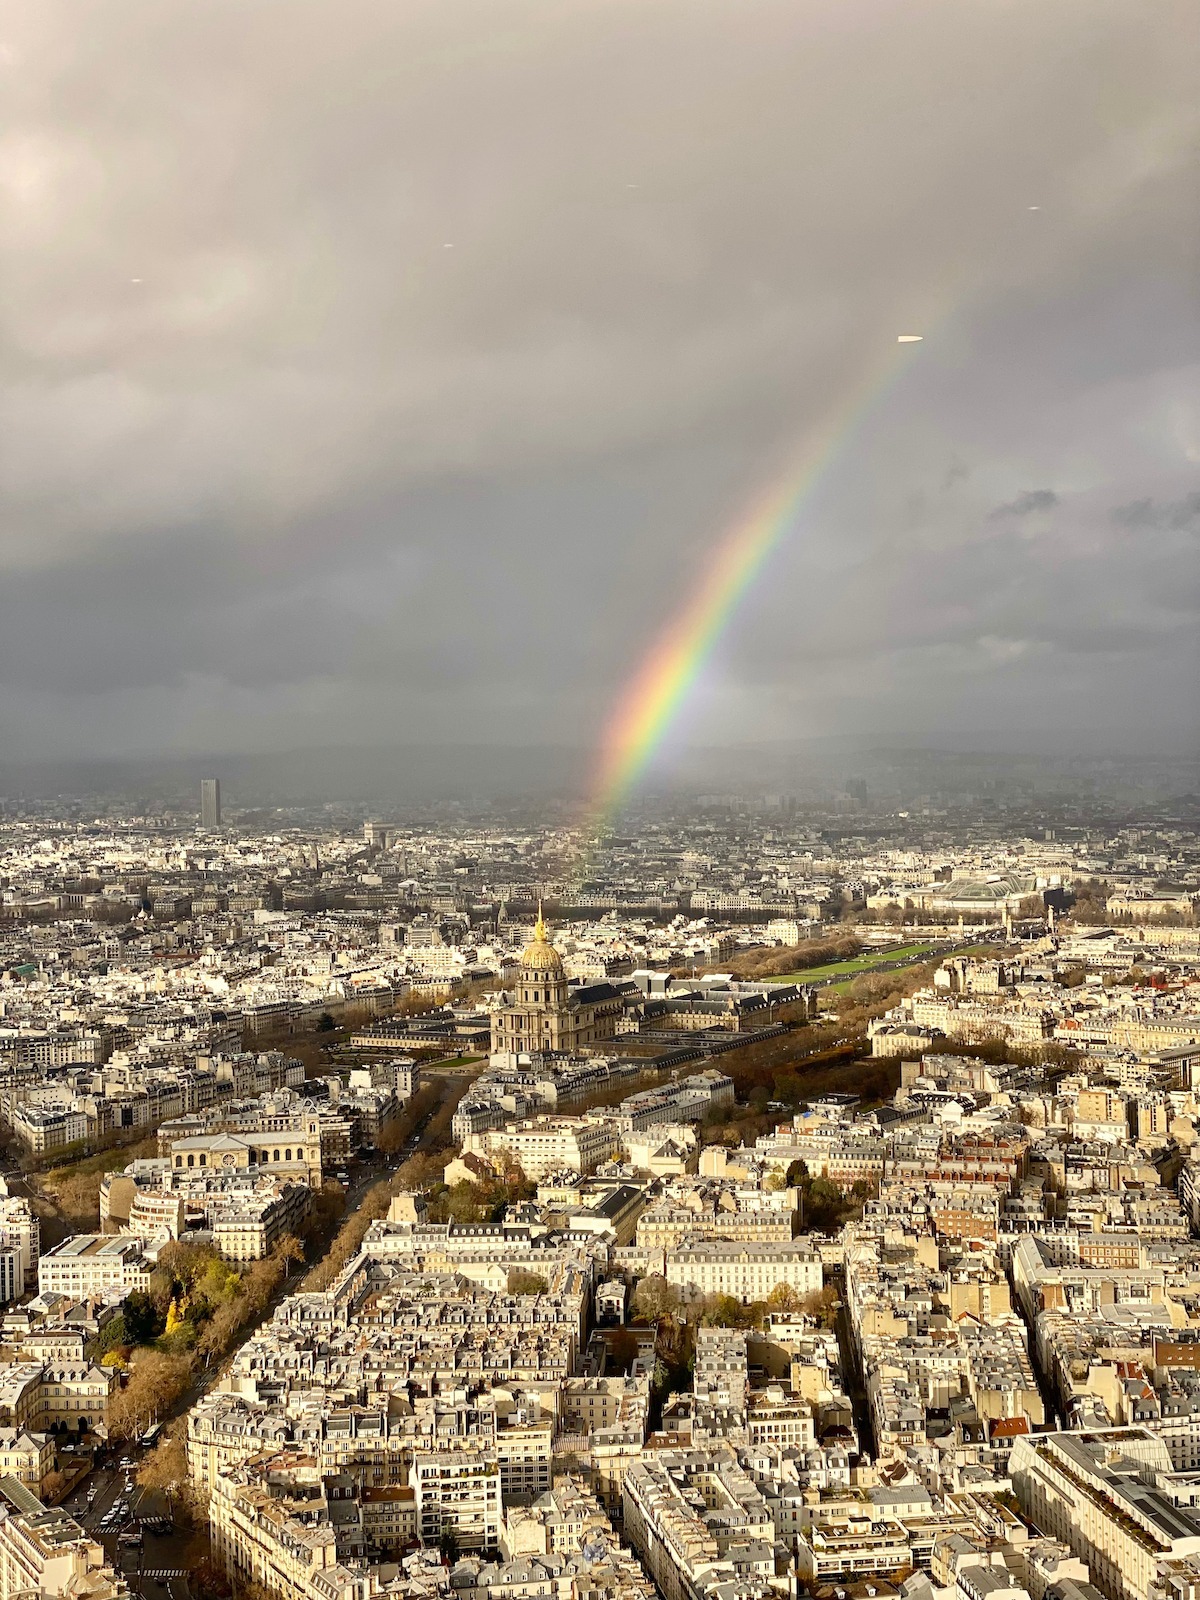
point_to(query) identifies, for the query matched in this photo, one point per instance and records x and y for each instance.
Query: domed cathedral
(547, 1013)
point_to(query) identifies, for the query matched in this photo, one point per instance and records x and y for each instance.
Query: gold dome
(540, 955)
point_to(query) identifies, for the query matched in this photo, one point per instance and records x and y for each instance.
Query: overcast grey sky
(383, 371)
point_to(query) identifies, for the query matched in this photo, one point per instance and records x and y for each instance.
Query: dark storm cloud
(378, 372)
(1175, 514)
(1027, 503)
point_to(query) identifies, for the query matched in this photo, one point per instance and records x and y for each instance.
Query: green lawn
(872, 961)
(857, 964)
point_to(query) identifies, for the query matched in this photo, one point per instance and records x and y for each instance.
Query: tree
(54, 1486)
(391, 1138)
(1090, 902)
(259, 1284)
(784, 1298)
(822, 1305)
(780, 961)
(289, 1250)
(655, 1298)
(143, 1320)
(112, 1336)
(250, 1589)
(154, 1385)
(512, 1172)
(165, 1471)
(324, 1214)
(448, 1546)
(522, 1282)
(788, 1088)
(421, 1172)
(723, 1311)
(218, 1282)
(623, 1347)
(325, 1023)
(209, 1579)
(350, 1236)
(78, 1198)
(461, 1202)
(161, 1288)
(198, 1267)
(179, 1334)
(823, 1205)
(220, 1331)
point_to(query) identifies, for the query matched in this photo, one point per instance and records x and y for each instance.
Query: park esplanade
(540, 955)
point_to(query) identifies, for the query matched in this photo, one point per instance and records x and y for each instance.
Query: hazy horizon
(383, 778)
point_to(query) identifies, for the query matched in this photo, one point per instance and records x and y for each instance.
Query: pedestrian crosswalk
(164, 1572)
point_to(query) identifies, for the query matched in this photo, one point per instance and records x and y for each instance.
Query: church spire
(540, 931)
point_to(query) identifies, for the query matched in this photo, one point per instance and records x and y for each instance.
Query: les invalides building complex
(548, 1015)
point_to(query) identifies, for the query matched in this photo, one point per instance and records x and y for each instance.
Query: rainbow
(668, 674)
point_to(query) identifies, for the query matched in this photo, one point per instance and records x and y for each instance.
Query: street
(109, 1503)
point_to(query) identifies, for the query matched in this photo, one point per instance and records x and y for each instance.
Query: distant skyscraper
(210, 802)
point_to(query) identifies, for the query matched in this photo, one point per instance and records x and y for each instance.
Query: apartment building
(857, 1542)
(150, 1212)
(26, 1456)
(1106, 1495)
(685, 1101)
(62, 1395)
(49, 1127)
(604, 1422)
(747, 1272)
(43, 1551)
(248, 1228)
(74, 1397)
(20, 1245)
(245, 1210)
(89, 1263)
(779, 1418)
(542, 1145)
(567, 1521)
(698, 1523)
(439, 1338)
(458, 1490)
(751, 1216)
(523, 1450)
(280, 1524)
